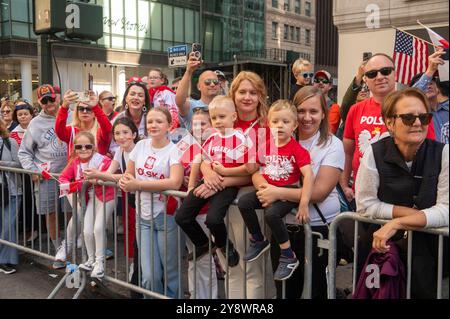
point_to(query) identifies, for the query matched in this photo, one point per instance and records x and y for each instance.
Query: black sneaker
(4, 268)
(233, 255)
(200, 251)
(286, 268)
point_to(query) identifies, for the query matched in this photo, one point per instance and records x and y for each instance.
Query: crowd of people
(383, 150)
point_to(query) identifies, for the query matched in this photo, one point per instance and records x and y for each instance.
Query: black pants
(424, 260)
(218, 206)
(135, 276)
(273, 215)
(294, 285)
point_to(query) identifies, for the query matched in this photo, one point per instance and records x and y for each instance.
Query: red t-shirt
(365, 126)
(229, 150)
(282, 167)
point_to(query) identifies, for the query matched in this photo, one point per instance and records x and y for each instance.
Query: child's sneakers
(256, 249)
(286, 268)
(88, 265)
(99, 269)
(232, 257)
(61, 253)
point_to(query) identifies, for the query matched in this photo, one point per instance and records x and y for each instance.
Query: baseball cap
(323, 74)
(220, 74)
(45, 90)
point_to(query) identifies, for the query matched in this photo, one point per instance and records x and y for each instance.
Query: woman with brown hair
(107, 100)
(7, 109)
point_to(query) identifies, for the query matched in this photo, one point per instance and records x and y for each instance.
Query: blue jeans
(8, 220)
(165, 254)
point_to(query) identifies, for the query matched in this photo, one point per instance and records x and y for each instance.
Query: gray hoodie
(41, 145)
(9, 159)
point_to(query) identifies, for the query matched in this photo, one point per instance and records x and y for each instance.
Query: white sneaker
(99, 270)
(88, 265)
(61, 253)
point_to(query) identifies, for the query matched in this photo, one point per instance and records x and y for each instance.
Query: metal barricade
(115, 272)
(332, 253)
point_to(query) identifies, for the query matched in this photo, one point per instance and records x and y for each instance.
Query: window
(274, 3)
(286, 31)
(308, 37)
(274, 30)
(287, 7)
(297, 34)
(297, 6)
(291, 29)
(308, 8)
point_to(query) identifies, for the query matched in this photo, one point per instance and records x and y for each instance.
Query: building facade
(290, 26)
(136, 35)
(368, 26)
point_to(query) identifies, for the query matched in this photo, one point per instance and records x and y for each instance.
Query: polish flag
(440, 42)
(68, 188)
(45, 168)
(188, 148)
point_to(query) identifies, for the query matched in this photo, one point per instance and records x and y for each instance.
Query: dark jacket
(391, 280)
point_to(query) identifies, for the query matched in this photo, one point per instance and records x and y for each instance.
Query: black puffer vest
(400, 186)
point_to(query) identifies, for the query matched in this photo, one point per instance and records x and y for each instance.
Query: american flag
(410, 56)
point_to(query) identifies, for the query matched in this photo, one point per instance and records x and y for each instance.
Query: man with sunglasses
(323, 81)
(208, 85)
(364, 124)
(303, 73)
(42, 150)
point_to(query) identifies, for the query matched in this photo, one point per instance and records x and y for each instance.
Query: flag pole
(414, 36)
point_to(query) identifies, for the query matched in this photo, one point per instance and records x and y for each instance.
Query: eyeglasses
(384, 71)
(80, 147)
(109, 98)
(198, 109)
(85, 109)
(409, 119)
(306, 74)
(6, 111)
(47, 99)
(209, 81)
(323, 81)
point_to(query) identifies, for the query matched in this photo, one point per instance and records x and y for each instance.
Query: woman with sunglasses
(404, 178)
(106, 100)
(303, 73)
(162, 96)
(84, 120)
(7, 110)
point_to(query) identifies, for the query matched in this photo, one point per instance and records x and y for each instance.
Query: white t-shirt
(329, 154)
(153, 164)
(118, 159)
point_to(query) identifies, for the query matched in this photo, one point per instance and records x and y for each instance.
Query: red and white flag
(188, 148)
(45, 168)
(410, 56)
(68, 188)
(440, 42)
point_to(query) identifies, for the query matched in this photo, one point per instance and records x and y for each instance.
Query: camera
(197, 49)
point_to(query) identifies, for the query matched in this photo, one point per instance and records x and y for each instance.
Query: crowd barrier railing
(116, 272)
(357, 218)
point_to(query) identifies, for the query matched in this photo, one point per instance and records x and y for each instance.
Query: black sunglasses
(409, 119)
(209, 81)
(88, 147)
(84, 109)
(323, 81)
(109, 98)
(137, 83)
(47, 99)
(198, 109)
(384, 71)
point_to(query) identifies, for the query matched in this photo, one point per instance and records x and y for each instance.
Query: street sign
(177, 56)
